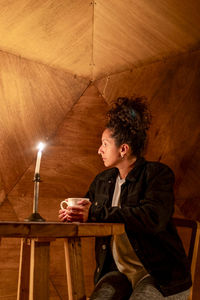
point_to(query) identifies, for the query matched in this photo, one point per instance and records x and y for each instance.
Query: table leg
(24, 270)
(74, 268)
(39, 270)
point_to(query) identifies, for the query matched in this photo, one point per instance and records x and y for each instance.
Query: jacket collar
(112, 173)
(134, 173)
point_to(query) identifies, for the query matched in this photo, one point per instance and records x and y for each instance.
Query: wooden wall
(172, 87)
(49, 91)
(39, 102)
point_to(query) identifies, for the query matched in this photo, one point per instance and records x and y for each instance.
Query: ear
(124, 149)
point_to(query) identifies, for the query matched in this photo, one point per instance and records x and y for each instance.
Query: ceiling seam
(45, 65)
(102, 94)
(49, 138)
(92, 64)
(141, 65)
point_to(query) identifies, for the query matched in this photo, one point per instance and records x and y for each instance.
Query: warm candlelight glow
(40, 147)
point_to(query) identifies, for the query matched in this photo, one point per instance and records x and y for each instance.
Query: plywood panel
(172, 88)
(7, 212)
(57, 33)
(58, 277)
(70, 160)
(2, 191)
(9, 256)
(34, 100)
(95, 38)
(129, 33)
(188, 195)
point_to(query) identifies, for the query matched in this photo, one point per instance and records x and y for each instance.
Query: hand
(77, 213)
(62, 216)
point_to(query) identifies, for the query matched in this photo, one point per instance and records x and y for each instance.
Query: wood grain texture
(42, 230)
(95, 38)
(74, 269)
(131, 33)
(56, 33)
(39, 270)
(172, 88)
(34, 100)
(7, 212)
(2, 191)
(9, 268)
(69, 162)
(24, 270)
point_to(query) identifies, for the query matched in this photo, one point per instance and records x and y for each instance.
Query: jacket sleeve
(152, 212)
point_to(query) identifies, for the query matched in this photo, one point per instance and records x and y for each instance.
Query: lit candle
(39, 155)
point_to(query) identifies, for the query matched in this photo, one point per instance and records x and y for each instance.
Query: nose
(100, 150)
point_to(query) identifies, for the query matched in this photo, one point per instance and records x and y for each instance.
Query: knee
(114, 285)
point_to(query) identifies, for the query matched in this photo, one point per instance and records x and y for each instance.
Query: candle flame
(40, 146)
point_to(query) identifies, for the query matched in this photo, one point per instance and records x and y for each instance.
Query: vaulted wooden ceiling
(96, 38)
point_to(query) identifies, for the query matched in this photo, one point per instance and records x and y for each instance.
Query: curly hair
(129, 119)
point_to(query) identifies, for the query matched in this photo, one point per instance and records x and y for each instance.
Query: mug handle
(61, 204)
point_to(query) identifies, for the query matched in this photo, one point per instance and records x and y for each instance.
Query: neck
(126, 166)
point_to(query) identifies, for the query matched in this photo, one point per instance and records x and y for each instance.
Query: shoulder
(156, 165)
(155, 168)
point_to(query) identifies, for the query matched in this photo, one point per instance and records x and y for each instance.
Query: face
(109, 152)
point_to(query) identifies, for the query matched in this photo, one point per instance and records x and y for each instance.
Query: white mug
(71, 202)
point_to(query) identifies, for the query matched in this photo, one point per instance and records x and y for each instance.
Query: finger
(62, 211)
(62, 215)
(75, 208)
(84, 202)
(62, 218)
(74, 213)
(77, 218)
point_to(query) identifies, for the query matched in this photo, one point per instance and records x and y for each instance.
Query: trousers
(115, 286)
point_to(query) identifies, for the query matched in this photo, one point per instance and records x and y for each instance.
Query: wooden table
(33, 283)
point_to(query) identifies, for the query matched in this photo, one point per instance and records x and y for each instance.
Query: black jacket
(147, 205)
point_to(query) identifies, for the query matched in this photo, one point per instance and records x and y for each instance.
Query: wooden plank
(195, 268)
(100, 229)
(58, 230)
(24, 271)
(39, 271)
(74, 269)
(26, 229)
(89, 263)
(53, 230)
(13, 229)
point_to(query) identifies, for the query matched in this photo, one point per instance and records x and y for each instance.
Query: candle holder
(35, 216)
